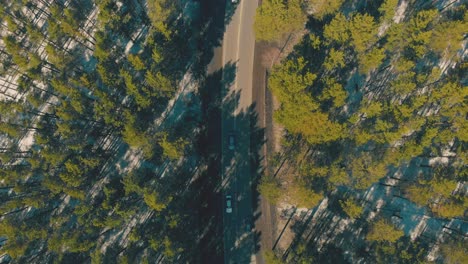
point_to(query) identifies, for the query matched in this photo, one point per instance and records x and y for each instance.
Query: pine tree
(383, 231)
(322, 8)
(276, 18)
(351, 208)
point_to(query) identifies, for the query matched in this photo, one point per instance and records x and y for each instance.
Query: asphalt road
(237, 59)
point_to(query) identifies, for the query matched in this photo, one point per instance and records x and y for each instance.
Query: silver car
(231, 142)
(228, 204)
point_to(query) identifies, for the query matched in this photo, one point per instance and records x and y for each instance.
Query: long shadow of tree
(200, 232)
(193, 186)
(250, 239)
(197, 201)
(209, 147)
(218, 106)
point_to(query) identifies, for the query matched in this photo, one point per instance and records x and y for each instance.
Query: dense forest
(94, 168)
(374, 103)
(85, 152)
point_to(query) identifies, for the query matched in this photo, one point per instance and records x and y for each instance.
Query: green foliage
(415, 35)
(348, 130)
(170, 250)
(335, 92)
(136, 62)
(159, 13)
(404, 83)
(351, 208)
(136, 138)
(315, 128)
(371, 60)
(437, 194)
(157, 54)
(372, 109)
(450, 209)
(60, 201)
(276, 18)
(366, 170)
(16, 245)
(142, 99)
(301, 196)
(290, 79)
(19, 56)
(63, 202)
(299, 111)
(271, 258)
(363, 32)
(123, 260)
(172, 150)
(96, 257)
(419, 194)
(337, 30)
(403, 251)
(155, 244)
(324, 7)
(107, 16)
(315, 41)
(334, 60)
(72, 175)
(360, 32)
(173, 221)
(447, 37)
(338, 176)
(12, 25)
(270, 189)
(154, 200)
(131, 184)
(160, 85)
(35, 34)
(102, 50)
(10, 130)
(454, 253)
(383, 231)
(388, 10)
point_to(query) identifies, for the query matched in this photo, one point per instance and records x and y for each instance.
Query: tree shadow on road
(245, 186)
(207, 186)
(218, 107)
(212, 26)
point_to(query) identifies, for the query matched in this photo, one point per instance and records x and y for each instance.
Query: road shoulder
(265, 225)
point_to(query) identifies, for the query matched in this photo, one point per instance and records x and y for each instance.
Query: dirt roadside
(265, 224)
(269, 224)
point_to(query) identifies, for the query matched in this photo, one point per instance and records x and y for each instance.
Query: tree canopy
(275, 18)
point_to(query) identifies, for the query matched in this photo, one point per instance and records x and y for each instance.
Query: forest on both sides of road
(373, 100)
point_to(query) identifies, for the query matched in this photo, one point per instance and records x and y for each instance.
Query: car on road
(234, 1)
(228, 204)
(248, 226)
(231, 141)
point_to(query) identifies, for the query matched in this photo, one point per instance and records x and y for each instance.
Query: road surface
(237, 60)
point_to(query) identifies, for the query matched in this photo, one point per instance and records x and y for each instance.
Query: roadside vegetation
(374, 97)
(277, 18)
